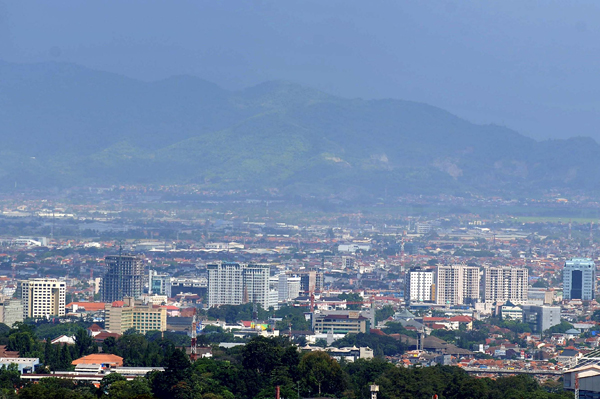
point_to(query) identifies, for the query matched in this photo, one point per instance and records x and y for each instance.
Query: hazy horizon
(528, 66)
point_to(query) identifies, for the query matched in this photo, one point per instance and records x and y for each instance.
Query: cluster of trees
(254, 370)
(23, 338)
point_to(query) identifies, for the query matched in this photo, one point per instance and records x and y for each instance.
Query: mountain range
(64, 125)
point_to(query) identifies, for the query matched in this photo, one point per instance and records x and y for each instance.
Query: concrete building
(43, 297)
(120, 316)
(350, 322)
(256, 284)
(502, 283)
(579, 279)
(509, 311)
(159, 284)
(11, 312)
(124, 277)
(311, 281)
(541, 318)
(419, 285)
(457, 285)
(288, 287)
(237, 283)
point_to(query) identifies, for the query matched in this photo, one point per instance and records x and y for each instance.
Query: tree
(108, 381)
(321, 373)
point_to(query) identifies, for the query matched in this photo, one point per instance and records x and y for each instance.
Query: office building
(419, 285)
(501, 284)
(42, 297)
(11, 312)
(340, 323)
(121, 316)
(236, 283)
(579, 279)
(159, 284)
(123, 278)
(541, 318)
(288, 287)
(457, 285)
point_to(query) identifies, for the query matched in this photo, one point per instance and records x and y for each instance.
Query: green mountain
(66, 125)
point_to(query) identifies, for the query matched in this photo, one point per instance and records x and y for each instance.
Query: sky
(528, 65)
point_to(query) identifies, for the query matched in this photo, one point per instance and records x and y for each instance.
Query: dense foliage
(254, 370)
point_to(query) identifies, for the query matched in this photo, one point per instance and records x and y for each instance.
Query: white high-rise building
(43, 297)
(225, 284)
(237, 283)
(419, 285)
(502, 283)
(457, 285)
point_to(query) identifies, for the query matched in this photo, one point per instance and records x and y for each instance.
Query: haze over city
(267, 199)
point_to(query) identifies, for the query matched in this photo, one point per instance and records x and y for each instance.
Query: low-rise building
(350, 322)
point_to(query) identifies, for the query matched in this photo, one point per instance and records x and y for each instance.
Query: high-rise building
(43, 297)
(236, 283)
(502, 283)
(288, 287)
(419, 285)
(579, 279)
(123, 315)
(256, 284)
(159, 284)
(311, 281)
(457, 285)
(225, 284)
(123, 278)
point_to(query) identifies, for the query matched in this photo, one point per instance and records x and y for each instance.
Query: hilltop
(64, 125)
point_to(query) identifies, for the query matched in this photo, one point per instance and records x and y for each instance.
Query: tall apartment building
(159, 284)
(124, 277)
(502, 283)
(457, 285)
(236, 283)
(419, 285)
(43, 297)
(579, 279)
(121, 316)
(256, 284)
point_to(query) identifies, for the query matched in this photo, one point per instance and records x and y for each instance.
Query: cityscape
(299, 200)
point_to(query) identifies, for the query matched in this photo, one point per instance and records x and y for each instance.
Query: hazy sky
(530, 65)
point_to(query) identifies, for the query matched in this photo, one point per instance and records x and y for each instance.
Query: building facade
(288, 287)
(501, 284)
(11, 312)
(579, 279)
(236, 283)
(121, 316)
(159, 284)
(43, 297)
(311, 281)
(419, 285)
(123, 278)
(541, 318)
(457, 285)
(351, 322)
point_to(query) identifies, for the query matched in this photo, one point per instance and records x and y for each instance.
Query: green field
(555, 219)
